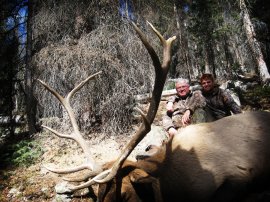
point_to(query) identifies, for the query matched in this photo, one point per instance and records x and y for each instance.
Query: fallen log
(15, 120)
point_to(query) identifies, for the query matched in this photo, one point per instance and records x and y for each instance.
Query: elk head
(112, 171)
(137, 181)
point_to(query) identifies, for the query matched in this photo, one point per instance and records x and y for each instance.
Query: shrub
(25, 153)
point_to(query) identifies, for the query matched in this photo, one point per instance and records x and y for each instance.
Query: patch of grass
(262, 91)
(23, 153)
(257, 98)
(258, 93)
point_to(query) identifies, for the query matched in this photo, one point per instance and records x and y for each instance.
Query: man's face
(207, 85)
(182, 89)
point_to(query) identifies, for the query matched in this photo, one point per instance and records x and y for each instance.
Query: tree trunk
(30, 102)
(206, 62)
(237, 53)
(254, 44)
(183, 41)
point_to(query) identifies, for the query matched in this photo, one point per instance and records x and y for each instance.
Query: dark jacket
(220, 103)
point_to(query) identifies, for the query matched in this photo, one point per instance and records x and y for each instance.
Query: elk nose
(144, 155)
(140, 157)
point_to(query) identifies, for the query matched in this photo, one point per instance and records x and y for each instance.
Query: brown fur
(215, 161)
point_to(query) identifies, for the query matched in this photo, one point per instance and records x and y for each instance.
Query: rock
(13, 192)
(62, 198)
(62, 188)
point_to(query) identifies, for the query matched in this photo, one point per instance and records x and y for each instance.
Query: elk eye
(148, 148)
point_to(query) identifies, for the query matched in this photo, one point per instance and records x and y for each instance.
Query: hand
(172, 131)
(169, 107)
(186, 118)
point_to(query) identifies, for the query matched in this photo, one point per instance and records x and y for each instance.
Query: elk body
(218, 161)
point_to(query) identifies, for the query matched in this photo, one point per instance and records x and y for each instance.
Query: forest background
(62, 42)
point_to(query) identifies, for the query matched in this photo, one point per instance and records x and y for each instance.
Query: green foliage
(222, 30)
(258, 97)
(24, 153)
(263, 92)
(236, 67)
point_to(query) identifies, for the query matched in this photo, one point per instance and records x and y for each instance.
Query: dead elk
(218, 161)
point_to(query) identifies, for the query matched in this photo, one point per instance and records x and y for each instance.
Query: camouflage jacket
(220, 103)
(193, 101)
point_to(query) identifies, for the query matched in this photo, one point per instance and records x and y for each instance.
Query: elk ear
(140, 176)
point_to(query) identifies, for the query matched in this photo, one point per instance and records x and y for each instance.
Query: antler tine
(52, 91)
(78, 87)
(161, 74)
(161, 38)
(57, 133)
(69, 170)
(81, 178)
(149, 48)
(75, 135)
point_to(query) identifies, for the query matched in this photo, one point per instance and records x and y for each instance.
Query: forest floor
(35, 183)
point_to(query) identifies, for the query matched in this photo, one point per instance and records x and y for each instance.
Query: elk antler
(161, 71)
(75, 135)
